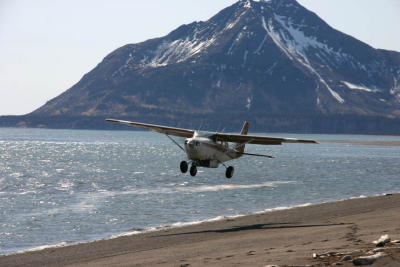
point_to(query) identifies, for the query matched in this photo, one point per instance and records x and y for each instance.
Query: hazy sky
(46, 46)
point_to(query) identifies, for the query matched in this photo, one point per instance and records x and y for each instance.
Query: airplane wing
(157, 128)
(235, 138)
(260, 140)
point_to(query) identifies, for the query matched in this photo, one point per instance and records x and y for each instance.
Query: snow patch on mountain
(168, 52)
(359, 87)
(236, 40)
(270, 69)
(177, 51)
(396, 86)
(122, 69)
(247, 4)
(297, 41)
(294, 44)
(233, 23)
(274, 36)
(246, 53)
(249, 100)
(258, 50)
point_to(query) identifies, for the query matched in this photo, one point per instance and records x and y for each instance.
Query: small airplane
(209, 149)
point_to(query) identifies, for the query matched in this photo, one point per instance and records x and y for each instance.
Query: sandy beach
(285, 237)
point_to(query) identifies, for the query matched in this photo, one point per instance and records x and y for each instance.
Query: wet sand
(286, 237)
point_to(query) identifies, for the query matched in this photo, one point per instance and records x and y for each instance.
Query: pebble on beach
(367, 260)
(382, 241)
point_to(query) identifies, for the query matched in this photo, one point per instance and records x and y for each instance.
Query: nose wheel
(229, 172)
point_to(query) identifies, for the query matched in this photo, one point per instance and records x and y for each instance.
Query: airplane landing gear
(193, 170)
(184, 166)
(229, 172)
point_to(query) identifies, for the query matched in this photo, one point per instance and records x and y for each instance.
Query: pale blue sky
(46, 46)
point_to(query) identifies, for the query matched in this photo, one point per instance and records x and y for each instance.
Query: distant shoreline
(231, 122)
(363, 143)
(279, 237)
(343, 141)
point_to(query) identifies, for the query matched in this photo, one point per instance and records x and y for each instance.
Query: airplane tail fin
(245, 129)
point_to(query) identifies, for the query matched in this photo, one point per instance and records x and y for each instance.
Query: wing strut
(176, 143)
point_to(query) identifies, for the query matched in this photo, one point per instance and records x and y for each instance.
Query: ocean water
(60, 187)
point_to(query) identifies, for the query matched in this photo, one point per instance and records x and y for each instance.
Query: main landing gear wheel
(193, 170)
(184, 166)
(229, 172)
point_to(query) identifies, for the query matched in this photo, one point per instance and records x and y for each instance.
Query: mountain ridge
(251, 60)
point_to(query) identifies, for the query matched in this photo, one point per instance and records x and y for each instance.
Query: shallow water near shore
(68, 186)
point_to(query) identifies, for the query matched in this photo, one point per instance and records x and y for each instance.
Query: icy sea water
(69, 186)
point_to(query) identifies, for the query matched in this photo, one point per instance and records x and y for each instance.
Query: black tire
(229, 172)
(193, 170)
(184, 166)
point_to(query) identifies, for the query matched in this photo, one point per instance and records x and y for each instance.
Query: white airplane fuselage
(206, 152)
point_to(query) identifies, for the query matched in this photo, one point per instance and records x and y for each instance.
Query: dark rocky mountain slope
(273, 62)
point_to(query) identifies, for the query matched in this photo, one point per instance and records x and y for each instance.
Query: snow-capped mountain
(254, 59)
